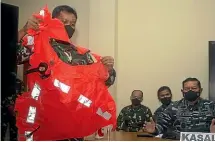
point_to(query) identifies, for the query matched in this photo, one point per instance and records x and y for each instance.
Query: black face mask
(166, 101)
(191, 95)
(70, 31)
(135, 102)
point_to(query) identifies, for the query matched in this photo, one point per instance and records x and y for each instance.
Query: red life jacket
(72, 101)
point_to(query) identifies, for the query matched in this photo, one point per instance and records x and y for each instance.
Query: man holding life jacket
(69, 17)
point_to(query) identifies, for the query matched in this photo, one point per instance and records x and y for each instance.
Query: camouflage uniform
(184, 117)
(132, 118)
(8, 115)
(160, 110)
(67, 53)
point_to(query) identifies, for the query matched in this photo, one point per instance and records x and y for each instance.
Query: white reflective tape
(36, 91)
(28, 138)
(106, 115)
(30, 40)
(84, 100)
(63, 87)
(31, 114)
(32, 48)
(42, 12)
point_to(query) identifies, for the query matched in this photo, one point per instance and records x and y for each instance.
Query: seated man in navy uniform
(190, 114)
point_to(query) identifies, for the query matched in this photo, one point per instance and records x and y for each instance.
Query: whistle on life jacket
(42, 68)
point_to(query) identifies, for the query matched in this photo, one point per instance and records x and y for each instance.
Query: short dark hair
(162, 89)
(66, 8)
(191, 79)
(138, 91)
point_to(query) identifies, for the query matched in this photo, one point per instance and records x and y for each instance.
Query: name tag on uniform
(196, 136)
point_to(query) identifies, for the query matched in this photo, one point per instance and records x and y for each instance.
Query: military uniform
(184, 117)
(132, 118)
(159, 110)
(168, 133)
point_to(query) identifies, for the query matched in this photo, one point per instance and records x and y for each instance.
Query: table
(124, 136)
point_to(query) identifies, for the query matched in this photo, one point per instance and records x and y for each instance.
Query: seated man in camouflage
(133, 117)
(190, 114)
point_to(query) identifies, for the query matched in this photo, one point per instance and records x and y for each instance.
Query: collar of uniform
(136, 106)
(191, 104)
(73, 47)
(165, 106)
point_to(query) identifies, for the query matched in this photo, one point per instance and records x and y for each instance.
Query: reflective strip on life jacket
(42, 12)
(106, 115)
(31, 115)
(63, 87)
(84, 100)
(36, 91)
(30, 138)
(30, 40)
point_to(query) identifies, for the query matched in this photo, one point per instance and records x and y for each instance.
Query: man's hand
(32, 23)
(108, 61)
(149, 126)
(212, 127)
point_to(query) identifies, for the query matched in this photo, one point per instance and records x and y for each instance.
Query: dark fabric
(159, 111)
(8, 120)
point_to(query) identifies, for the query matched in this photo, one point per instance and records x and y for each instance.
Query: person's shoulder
(206, 102)
(158, 109)
(176, 103)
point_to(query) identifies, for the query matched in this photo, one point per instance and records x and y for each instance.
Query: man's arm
(23, 54)
(164, 120)
(121, 121)
(148, 114)
(157, 112)
(112, 75)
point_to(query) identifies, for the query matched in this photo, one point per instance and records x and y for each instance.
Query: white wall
(102, 30)
(162, 43)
